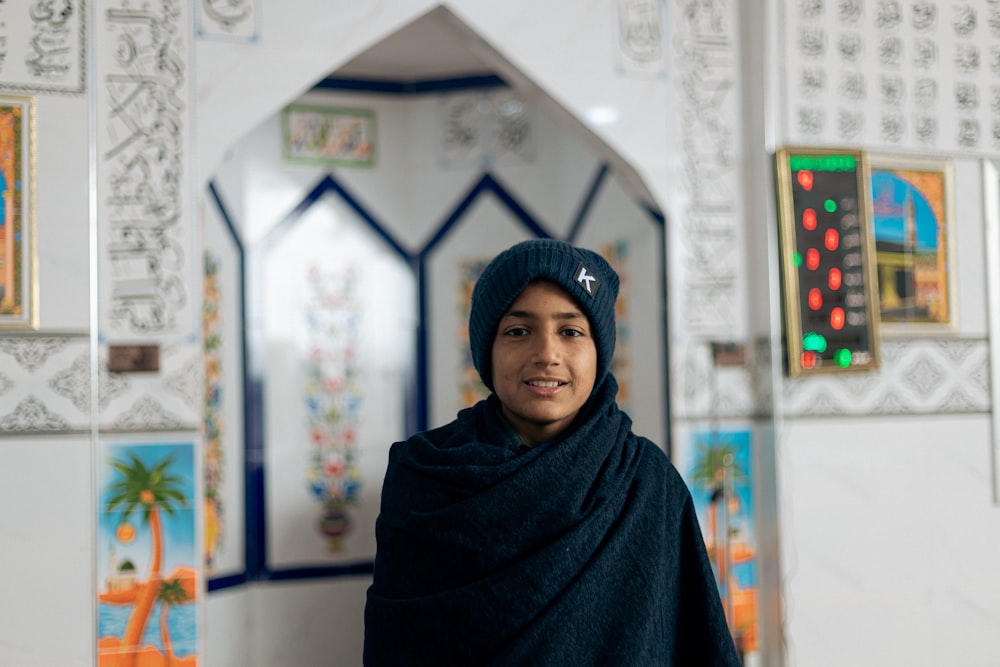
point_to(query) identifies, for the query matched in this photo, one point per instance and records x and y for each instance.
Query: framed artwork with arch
(913, 224)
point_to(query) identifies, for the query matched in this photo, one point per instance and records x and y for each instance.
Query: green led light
(842, 357)
(814, 342)
(797, 259)
(823, 162)
(830, 205)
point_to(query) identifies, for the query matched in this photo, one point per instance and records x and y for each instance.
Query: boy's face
(544, 362)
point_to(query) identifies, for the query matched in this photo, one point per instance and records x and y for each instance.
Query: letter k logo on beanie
(587, 280)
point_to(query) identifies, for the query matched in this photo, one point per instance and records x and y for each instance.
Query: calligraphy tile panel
(234, 20)
(705, 70)
(148, 272)
(920, 75)
(43, 46)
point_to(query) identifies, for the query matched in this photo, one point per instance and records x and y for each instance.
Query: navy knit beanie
(585, 275)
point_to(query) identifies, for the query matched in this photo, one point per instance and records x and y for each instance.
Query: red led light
(812, 259)
(837, 318)
(805, 179)
(834, 279)
(815, 298)
(808, 359)
(809, 219)
(831, 239)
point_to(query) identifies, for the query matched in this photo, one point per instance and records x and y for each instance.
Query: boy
(536, 528)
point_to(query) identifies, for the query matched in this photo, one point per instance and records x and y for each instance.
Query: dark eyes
(516, 331)
(524, 331)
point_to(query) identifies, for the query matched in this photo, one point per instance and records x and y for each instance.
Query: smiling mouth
(551, 384)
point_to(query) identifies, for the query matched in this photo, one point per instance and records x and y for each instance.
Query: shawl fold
(581, 551)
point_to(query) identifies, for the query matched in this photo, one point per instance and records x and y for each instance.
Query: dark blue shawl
(581, 551)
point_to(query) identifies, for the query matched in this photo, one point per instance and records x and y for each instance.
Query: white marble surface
(306, 623)
(62, 214)
(48, 607)
(889, 541)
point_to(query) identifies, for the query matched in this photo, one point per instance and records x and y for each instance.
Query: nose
(547, 349)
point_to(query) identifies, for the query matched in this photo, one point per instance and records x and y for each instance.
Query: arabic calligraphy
(141, 144)
(227, 19)
(640, 35)
(930, 66)
(706, 57)
(42, 46)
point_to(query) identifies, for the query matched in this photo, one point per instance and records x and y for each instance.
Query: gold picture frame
(18, 262)
(913, 226)
(830, 298)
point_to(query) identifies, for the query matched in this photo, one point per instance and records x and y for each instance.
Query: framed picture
(718, 467)
(149, 579)
(328, 135)
(18, 280)
(913, 227)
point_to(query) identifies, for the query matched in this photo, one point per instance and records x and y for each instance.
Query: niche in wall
(359, 275)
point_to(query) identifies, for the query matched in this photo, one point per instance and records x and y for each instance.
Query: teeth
(540, 383)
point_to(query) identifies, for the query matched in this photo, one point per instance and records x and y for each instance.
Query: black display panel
(828, 276)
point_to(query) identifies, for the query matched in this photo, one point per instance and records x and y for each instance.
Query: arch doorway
(352, 224)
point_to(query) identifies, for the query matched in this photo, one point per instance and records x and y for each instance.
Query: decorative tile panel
(705, 70)
(228, 20)
(147, 264)
(31, 415)
(45, 387)
(919, 74)
(170, 399)
(44, 384)
(916, 376)
(928, 376)
(43, 46)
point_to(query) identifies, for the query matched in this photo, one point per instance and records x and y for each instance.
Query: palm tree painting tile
(147, 588)
(717, 468)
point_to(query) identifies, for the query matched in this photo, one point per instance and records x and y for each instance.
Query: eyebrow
(527, 314)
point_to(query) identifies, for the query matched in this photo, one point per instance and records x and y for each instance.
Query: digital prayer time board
(829, 281)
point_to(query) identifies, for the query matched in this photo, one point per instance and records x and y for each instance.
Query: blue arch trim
(329, 184)
(588, 202)
(416, 87)
(488, 183)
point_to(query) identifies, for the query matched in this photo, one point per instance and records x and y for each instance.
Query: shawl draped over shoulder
(582, 551)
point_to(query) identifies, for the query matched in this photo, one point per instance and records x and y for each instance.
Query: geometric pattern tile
(41, 381)
(701, 390)
(32, 352)
(915, 376)
(185, 381)
(146, 414)
(45, 388)
(31, 416)
(169, 399)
